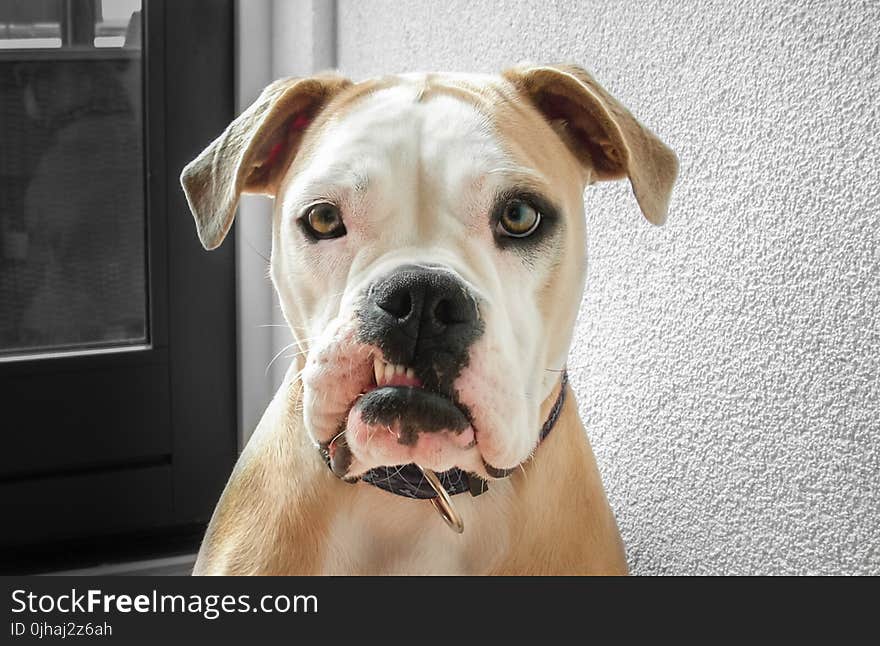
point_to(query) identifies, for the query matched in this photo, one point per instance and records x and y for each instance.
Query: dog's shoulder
(268, 516)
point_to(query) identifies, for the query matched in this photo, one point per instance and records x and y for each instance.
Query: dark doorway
(117, 331)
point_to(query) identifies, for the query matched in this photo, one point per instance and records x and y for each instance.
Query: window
(46, 24)
(72, 226)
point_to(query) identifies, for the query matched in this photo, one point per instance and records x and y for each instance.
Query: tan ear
(601, 132)
(253, 153)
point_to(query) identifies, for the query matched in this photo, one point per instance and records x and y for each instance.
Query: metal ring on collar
(443, 502)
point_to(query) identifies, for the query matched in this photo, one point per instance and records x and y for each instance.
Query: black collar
(407, 480)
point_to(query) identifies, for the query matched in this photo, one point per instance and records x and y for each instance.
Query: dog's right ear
(254, 152)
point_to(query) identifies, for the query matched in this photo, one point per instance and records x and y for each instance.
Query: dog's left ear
(601, 132)
(254, 152)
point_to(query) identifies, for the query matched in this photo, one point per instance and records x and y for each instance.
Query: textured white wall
(726, 364)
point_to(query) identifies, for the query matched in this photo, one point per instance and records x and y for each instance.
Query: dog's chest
(378, 533)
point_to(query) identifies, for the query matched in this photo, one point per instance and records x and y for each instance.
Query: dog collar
(411, 481)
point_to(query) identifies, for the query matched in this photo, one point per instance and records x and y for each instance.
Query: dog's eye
(323, 221)
(519, 219)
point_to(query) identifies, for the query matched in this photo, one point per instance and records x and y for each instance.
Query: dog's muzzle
(424, 320)
(423, 317)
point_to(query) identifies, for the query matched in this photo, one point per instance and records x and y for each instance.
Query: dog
(428, 250)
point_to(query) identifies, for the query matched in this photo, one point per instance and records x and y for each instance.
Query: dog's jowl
(429, 256)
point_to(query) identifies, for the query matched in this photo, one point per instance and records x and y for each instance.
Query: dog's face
(416, 253)
(428, 249)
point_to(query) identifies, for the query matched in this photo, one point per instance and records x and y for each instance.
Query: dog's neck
(322, 525)
(373, 532)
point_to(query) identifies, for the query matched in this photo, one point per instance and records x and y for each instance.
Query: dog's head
(429, 247)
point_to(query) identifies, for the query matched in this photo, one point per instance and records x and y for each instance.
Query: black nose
(417, 312)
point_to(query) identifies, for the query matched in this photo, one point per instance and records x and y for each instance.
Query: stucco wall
(726, 364)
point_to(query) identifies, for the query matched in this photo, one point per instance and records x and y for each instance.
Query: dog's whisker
(337, 436)
(256, 251)
(280, 352)
(291, 327)
(294, 355)
(306, 339)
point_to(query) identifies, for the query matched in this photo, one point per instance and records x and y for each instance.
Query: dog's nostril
(398, 303)
(444, 312)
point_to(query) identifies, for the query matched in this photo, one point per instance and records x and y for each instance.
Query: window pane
(69, 24)
(30, 23)
(72, 224)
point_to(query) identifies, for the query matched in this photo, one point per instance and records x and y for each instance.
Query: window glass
(72, 222)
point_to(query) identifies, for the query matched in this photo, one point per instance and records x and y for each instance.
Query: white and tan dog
(429, 254)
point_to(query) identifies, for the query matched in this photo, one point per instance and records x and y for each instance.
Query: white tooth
(378, 369)
(389, 371)
(410, 373)
(399, 369)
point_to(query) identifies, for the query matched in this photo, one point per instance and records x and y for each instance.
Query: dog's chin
(397, 425)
